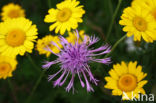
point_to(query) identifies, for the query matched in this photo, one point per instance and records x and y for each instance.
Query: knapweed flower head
(72, 37)
(126, 80)
(46, 41)
(74, 60)
(11, 11)
(66, 17)
(17, 36)
(7, 66)
(138, 23)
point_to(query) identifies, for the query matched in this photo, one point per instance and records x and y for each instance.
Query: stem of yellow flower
(38, 80)
(113, 19)
(32, 62)
(110, 6)
(115, 45)
(35, 87)
(12, 91)
(49, 4)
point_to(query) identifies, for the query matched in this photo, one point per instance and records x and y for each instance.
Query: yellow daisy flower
(72, 36)
(12, 11)
(134, 2)
(126, 79)
(46, 41)
(149, 5)
(7, 66)
(66, 17)
(17, 36)
(139, 23)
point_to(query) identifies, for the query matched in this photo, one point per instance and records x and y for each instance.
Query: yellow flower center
(140, 24)
(154, 13)
(14, 14)
(4, 67)
(127, 82)
(47, 44)
(64, 15)
(50, 45)
(15, 37)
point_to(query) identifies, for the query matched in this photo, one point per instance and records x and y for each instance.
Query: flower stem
(116, 44)
(32, 62)
(113, 19)
(37, 82)
(110, 6)
(12, 91)
(49, 4)
(35, 87)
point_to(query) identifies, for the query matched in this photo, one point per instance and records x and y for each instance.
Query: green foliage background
(96, 21)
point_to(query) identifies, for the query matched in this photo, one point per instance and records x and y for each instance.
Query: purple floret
(73, 60)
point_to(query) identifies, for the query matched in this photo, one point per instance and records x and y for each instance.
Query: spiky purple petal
(74, 59)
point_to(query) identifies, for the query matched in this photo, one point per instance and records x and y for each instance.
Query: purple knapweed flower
(74, 59)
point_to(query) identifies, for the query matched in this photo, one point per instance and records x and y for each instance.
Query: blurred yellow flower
(47, 41)
(17, 36)
(66, 17)
(126, 78)
(12, 11)
(72, 36)
(139, 23)
(7, 66)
